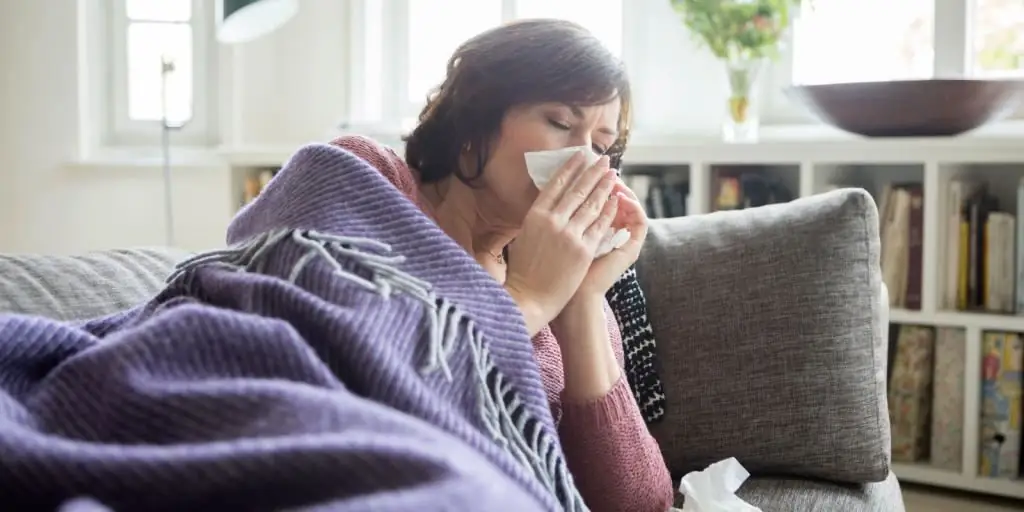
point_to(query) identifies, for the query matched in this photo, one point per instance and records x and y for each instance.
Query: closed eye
(565, 127)
(558, 125)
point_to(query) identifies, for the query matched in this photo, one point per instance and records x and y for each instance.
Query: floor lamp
(238, 21)
(166, 69)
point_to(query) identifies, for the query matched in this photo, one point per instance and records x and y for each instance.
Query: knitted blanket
(342, 354)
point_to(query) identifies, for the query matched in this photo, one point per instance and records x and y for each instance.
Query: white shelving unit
(809, 165)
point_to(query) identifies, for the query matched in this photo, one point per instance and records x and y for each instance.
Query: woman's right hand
(559, 239)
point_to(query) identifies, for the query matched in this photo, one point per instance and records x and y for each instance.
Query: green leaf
(731, 28)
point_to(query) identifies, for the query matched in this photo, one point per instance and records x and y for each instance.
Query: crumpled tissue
(714, 488)
(542, 165)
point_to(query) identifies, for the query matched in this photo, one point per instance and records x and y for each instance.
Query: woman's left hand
(607, 269)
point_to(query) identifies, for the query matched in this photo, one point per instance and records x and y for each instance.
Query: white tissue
(542, 165)
(714, 489)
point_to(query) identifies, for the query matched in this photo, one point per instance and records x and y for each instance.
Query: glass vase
(742, 119)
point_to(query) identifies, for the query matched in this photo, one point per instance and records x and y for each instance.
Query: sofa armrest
(83, 286)
(771, 339)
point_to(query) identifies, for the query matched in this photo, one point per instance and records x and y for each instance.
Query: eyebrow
(579, 115)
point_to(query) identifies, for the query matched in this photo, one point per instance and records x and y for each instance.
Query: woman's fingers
(596, 231)
(621, 187)
(632, 217)
(562, 179)
(591, 207)
(580, 191)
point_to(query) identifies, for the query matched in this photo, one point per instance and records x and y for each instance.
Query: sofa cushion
(788, 495)
(771, 343)
(83, 286)
(784, 495)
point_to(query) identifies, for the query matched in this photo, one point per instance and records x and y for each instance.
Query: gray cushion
(770, 338)
(796, 495)
(83, 286)
(792, 495)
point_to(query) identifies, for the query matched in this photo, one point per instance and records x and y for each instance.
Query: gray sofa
(771, 342)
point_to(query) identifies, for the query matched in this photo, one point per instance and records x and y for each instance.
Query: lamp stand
(166, 68)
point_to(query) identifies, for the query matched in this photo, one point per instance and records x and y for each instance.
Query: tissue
(714, 488)
(542, 165)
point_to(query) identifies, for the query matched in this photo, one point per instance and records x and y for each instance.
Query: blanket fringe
(501, 411)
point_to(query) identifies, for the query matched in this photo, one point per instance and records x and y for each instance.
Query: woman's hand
(581, 328)
(607, 269)
(560, 235)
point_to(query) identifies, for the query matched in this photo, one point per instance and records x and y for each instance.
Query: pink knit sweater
(616, 463)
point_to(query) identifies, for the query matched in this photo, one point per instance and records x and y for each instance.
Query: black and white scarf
(629, 306)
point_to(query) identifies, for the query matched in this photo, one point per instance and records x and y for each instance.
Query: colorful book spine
(1020, 249)
(1002, 360)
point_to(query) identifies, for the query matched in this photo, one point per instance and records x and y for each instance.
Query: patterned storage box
(1002, 358)
(910, 397)
(948, 399)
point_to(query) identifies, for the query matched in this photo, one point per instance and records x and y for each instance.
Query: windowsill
(796, 144)
(150, 157)
(1003, 131)
(776, 141)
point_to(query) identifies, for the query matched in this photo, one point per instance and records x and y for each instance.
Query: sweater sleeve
(615, 461)
(384, 159)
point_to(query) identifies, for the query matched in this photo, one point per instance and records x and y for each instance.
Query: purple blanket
(342, 354)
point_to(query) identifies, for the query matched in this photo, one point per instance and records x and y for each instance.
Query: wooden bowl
(911, 108)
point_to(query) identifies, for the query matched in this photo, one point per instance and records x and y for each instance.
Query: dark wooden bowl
(911, 108)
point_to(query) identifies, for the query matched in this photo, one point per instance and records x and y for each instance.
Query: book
(1000, 421)
(910, 393)
(947, 429)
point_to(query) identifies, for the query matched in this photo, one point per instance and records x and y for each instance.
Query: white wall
(291, 84)
(280, 91)
(291, 90)
(47, 205)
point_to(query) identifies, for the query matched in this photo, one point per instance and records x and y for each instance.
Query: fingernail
(604, 160)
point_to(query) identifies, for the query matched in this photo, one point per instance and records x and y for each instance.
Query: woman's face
(542, 127)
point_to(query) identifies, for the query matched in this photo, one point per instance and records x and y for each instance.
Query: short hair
(520, 63)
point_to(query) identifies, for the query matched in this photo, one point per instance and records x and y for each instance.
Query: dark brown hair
(521, 63)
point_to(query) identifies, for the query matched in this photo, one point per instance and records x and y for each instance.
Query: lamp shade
(244, 20)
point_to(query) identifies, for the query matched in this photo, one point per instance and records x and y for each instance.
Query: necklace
(499, 257)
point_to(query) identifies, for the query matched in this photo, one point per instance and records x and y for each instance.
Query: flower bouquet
(743, 34)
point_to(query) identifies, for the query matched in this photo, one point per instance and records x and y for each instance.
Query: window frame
(397, 108)
(953, 57)
(120, 129)
(952, 40)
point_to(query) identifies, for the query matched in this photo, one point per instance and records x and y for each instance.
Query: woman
(530, 86)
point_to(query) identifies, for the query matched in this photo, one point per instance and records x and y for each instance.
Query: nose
(582, 140)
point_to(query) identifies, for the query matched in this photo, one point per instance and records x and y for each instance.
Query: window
(432, 37)
(998, 48)
(146, 34)
(832, 42)
(422, 34)
(913, 39)
(602, 17)
(877, 40)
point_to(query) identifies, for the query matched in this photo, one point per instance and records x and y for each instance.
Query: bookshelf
(806, 167)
